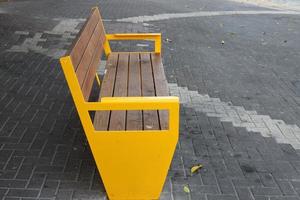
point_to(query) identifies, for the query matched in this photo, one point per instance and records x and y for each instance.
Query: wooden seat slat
(118, 118)
(150, 118)
(101, 119)
(84, 36)
(133, 74)
(134, 118)
(161, 87)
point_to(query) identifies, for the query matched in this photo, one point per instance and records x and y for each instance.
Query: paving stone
(25, 172)
(265, 191)
(36, 181)
(11, 198)
(226, 186)
(48, 169)
(64, 194)
(285, 198)
(14, 163)
(205, 189)
(13, 183)
(261, 197)
(23, 193)
(244, 193)
(267, 180)
(221, 197)
(286, 187)
(3, 192)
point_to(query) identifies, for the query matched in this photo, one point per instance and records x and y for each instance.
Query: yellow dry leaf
(196, 168)
(186, 189)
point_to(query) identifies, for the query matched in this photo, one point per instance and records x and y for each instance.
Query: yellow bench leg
(134, 165)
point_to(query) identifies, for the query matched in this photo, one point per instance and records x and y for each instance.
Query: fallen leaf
(196, 168)
(186, 189)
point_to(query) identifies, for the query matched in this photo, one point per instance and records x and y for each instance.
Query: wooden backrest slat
(90, 75)
(84, 36)
(87, 51)
(88, 55)
(134, 117)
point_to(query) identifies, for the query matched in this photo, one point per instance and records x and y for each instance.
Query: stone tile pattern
(255, 68)
(44, 153)
(237, 164)
(226, 112)
(51, 43)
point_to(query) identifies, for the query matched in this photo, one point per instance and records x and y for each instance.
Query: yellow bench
(134, 131)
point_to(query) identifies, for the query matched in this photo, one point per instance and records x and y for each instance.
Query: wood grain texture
(101, 119)
(83, 37)
(134, 118)
(87, 50)
(133, 74)
(118, 118)
(89, 57)
(161, 87)
(148, 89)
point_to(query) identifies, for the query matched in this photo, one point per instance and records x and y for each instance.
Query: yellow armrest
(133, 36)
(156, 37)
(134, 103)
(140, 103)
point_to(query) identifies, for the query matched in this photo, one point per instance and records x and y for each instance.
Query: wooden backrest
(87, 50)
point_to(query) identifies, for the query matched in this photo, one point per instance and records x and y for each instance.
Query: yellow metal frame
(132, 164)
(156, 37)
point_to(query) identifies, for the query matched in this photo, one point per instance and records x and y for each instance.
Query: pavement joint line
(238, 116)
(167, 16)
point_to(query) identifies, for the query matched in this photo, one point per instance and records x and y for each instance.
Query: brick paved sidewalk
(43, 150)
